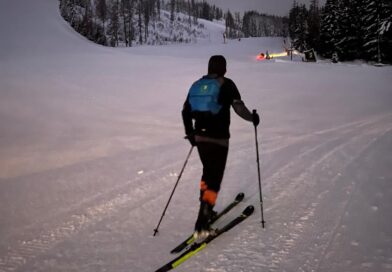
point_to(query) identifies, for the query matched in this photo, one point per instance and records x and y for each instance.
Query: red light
(261, 56)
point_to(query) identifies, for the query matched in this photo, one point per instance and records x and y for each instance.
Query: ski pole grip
(254, 113)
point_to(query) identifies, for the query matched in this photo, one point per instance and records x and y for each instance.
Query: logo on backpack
(203, 96)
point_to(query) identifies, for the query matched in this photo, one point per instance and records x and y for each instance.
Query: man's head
(217, 65)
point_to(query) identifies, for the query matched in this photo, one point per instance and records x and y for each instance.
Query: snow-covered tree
(255, 24)
(114, 24)
(298, 26)
(230, 25)
(127, 11)
(139, 21)
(101, 11)
(86, 27)
(346, 41)
(172, 10)
(313, 22)
(377, 30)
(357, 29)
(328, 28)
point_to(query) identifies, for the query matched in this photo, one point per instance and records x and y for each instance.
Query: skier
(210, 134)
(267, 55)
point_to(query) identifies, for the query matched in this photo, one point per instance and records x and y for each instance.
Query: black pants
(213, 157)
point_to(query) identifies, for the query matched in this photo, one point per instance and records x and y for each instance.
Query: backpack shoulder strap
(221, 80)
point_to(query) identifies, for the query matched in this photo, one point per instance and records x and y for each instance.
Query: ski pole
(258, 173)
(172, 193)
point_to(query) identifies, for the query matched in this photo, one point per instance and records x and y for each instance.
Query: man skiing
(208, 104)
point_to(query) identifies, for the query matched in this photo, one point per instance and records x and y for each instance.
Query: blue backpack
(203, 95)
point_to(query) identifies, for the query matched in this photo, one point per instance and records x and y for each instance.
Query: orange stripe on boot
(203, 186)
(210, 197)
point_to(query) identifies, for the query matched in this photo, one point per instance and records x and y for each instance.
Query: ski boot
(203, 223)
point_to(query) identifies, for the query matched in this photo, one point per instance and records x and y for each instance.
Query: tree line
(115, 22)
(344, 29)
(111, 22)
(126, 22)
(256, 24)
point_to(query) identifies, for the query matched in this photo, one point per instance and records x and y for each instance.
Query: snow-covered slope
(92, 141)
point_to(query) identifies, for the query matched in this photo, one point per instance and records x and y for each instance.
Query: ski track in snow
(287, 235)
(129, 195)
(291, 184)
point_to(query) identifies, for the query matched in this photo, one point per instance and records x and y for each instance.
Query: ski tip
(240, 197)
(248, 210)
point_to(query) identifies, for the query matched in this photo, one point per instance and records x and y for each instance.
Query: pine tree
(385, 31)
(377, 28)
(159, 9)
(356, 42)
(293, 16)
(189, 13)
(313, 22)
(328, 28)
(146, 13)
(172, 9)
(67, 10)
(127, 10)
(347, 43)
(303, 29)
(237, 22)
(230, 26)
(86, 27)
(205, 11)
(246, 24)
(140, 25)
(101, 11)
(114, 24)
(298, 26)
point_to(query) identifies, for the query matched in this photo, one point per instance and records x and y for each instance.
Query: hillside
(128, 23)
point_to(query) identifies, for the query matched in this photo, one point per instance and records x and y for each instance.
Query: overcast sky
(273, 7)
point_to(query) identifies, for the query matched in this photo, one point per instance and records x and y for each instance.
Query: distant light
(277, 55)
(260, 56)
(267, 56)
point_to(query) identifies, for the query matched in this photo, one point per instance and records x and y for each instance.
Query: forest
(344, 30)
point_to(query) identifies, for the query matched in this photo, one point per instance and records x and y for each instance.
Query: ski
(197, 247)
(190, 239)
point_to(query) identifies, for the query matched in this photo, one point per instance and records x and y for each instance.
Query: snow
(91, 145)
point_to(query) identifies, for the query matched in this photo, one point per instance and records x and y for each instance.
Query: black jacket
(216, 126)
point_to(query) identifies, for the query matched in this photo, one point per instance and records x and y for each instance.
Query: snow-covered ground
(91, 143)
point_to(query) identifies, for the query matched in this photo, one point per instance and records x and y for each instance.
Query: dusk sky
(273, 7)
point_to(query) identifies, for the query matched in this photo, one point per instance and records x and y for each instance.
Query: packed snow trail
(307, 232)
(92, 141)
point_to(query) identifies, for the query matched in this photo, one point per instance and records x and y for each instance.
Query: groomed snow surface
(91, 145)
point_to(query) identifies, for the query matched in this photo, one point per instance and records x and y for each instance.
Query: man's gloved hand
(191, 139)
(255, 118)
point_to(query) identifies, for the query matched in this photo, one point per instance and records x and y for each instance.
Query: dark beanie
(217, 65)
